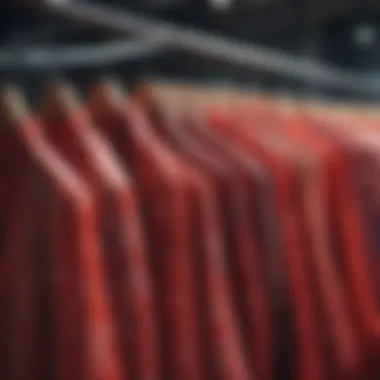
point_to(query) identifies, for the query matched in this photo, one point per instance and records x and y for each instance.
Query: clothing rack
(145, 237)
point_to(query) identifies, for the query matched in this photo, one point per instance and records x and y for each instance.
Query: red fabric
(163, 185)
(247, 277)
(231, 363)
(82, 339)
(259, 187)
(308, 363)
(123, 249)
(355, 248)
(343, 349)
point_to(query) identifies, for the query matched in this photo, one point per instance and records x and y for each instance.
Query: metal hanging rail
(244, 55)
(93, 55)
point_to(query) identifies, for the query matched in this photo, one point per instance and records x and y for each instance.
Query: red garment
(163, 184)
(79, 338)
(343, 349)
(356, 249)
(308, 361)
(229, 360)
(250, 290)
(123, 250)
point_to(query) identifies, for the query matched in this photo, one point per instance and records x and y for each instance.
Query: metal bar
(99, 54)
(227, 50)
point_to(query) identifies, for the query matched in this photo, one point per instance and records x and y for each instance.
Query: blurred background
(343, 33)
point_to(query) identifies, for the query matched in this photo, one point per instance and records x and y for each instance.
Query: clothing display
(187, 232)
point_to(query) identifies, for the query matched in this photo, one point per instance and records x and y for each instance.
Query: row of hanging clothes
(187, 232)
(181, 231)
